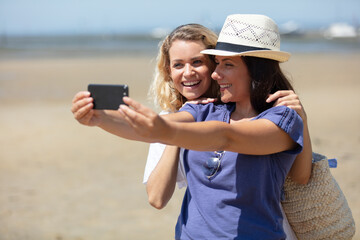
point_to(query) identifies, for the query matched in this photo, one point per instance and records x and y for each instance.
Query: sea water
(142, 44)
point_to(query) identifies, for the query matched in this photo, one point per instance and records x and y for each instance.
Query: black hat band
(236, 48)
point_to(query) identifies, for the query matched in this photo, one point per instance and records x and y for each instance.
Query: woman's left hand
(143, 120)
(289, 99)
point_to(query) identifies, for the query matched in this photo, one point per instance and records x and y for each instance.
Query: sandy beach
(64, 181)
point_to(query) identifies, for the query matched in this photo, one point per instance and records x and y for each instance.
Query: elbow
(158, 196)
(156, 202)
(156, 199)
(303, 180)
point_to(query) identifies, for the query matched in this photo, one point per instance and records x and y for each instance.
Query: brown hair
(266, 78)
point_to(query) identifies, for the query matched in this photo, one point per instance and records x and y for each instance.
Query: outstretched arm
(258, 137)
(110, 120)
(301, 169)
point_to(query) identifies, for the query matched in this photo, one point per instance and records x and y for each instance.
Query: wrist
(170, 132)
(102, 119)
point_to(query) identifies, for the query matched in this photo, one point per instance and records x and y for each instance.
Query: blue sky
(32, 17)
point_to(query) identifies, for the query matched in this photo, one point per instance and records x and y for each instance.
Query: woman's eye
(197, 62)
(177, 65)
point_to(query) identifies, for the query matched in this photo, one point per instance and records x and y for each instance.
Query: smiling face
(189, 69)
(232, 75)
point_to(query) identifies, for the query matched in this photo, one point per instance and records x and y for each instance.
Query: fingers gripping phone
(108, 96)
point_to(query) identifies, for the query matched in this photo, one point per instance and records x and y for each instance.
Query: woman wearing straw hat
(241, 150)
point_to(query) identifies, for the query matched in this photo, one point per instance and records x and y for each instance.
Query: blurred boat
(290, 28)
(340, 31)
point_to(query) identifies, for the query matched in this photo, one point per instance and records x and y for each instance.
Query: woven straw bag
(318, 210)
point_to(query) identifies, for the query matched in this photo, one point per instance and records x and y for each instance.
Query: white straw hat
(249, 35)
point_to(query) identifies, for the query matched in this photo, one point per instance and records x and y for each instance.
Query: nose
(215, 75)
(188, 71)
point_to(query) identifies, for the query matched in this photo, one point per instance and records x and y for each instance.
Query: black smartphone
(108, 96)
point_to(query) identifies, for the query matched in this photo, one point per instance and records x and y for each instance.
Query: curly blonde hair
(162, 88)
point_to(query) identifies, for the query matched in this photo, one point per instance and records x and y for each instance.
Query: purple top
(241, 201)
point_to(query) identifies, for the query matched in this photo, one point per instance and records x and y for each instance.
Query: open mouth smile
(223, 86)
(190, 83)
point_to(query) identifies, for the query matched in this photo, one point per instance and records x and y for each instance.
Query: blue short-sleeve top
(241, 201)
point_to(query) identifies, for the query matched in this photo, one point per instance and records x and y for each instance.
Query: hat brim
(269, 54)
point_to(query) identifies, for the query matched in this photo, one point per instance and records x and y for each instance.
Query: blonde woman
(182, 74)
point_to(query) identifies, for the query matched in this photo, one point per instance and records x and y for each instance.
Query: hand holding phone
(108, 96)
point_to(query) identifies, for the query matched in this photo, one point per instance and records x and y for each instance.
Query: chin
(191, 97)
(225, 99)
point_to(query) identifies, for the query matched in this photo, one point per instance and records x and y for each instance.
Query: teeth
(225, 85)
(190, 83)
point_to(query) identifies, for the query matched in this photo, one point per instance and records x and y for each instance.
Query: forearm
(113, 123)
(161, 183)
(199, 136)
(258, 137)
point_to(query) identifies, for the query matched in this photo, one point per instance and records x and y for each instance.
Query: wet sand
(62, 180)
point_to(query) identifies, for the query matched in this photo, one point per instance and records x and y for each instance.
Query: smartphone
(108, 96)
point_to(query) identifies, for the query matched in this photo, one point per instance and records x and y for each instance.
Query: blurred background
(41, 27)
(60, 180)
